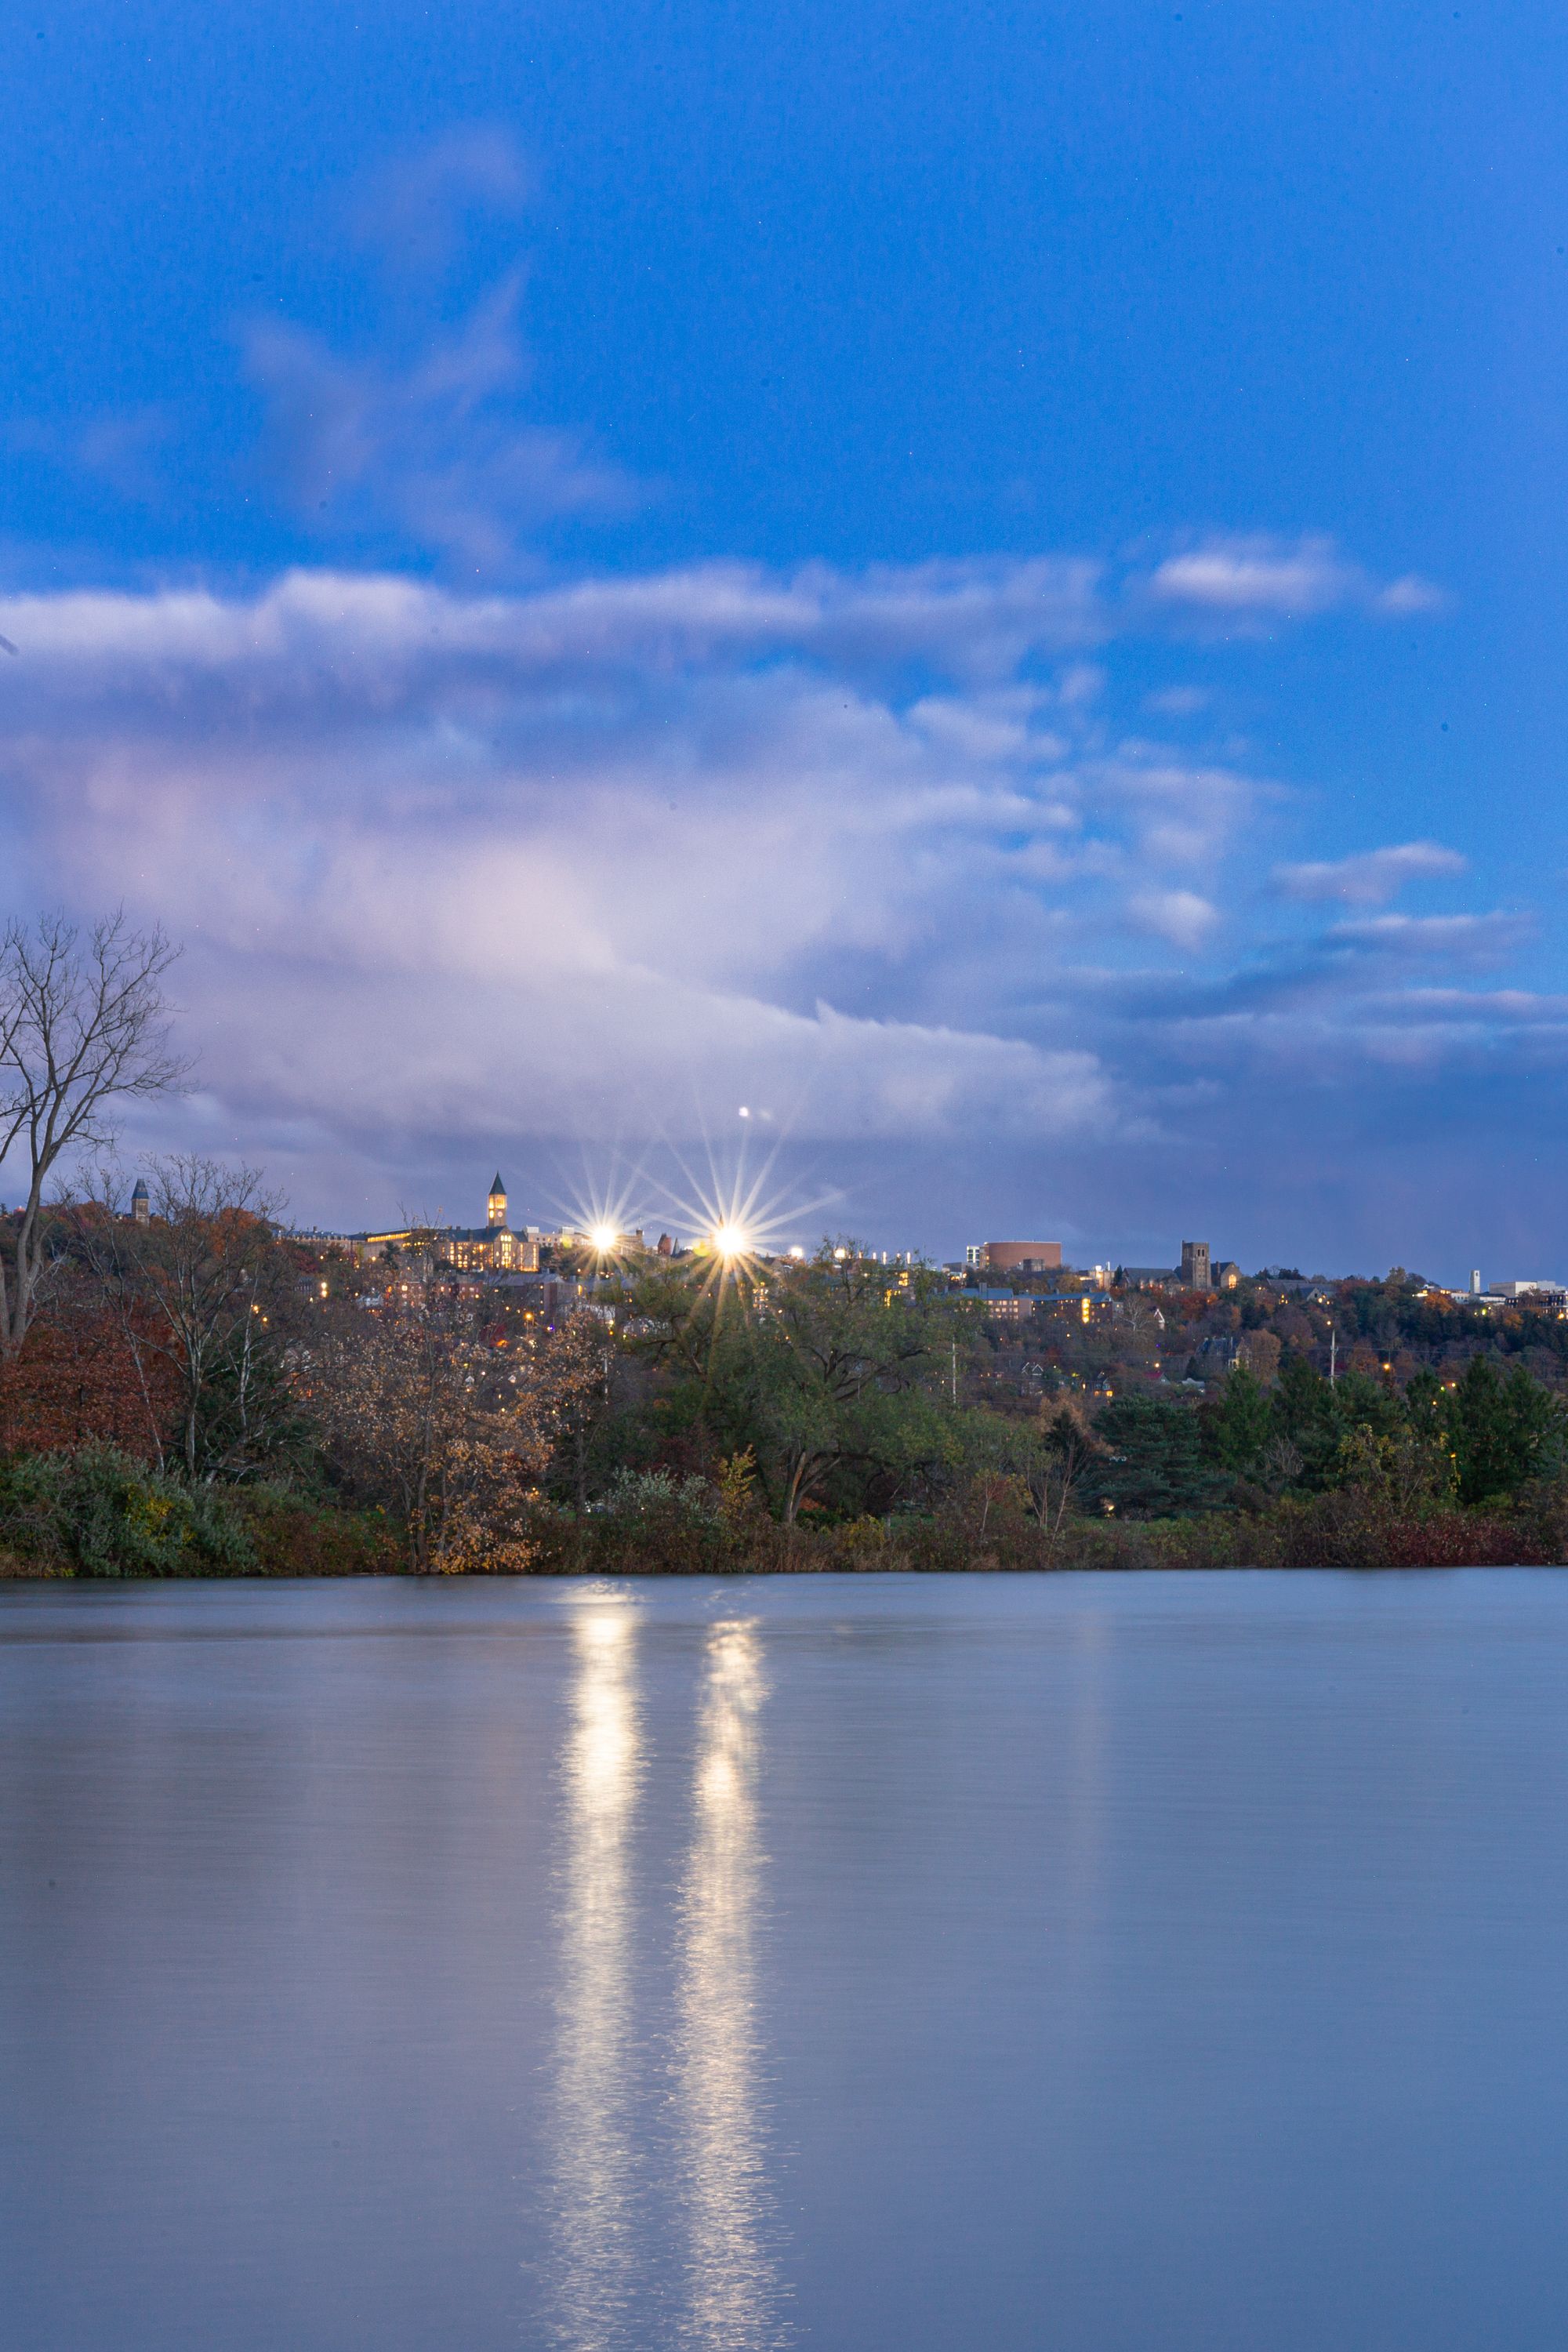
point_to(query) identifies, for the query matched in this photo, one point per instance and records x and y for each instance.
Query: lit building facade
(492, 1247)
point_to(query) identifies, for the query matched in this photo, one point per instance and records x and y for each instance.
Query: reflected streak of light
(596, 2154)
(732, 2284)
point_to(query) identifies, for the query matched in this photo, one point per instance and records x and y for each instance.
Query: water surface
(908, 1962)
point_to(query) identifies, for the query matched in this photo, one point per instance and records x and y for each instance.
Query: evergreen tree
(1503, 1432)
(1154, 1464)
(1239, 1423)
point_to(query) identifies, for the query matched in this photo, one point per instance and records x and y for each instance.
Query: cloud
(388, 636)
(1255, 575)
(1468, 938)
(1372, 876)
(433, 445)
(1179, 916)
(120, 451)
(614, 854)
(413, 208)
(547, 856)
(1260, 577)
(1411, 594)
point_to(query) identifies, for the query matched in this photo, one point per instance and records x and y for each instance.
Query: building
(1022, 1257)
(542, 1298)
(1006, 1304)
(141, 1206)
(1195, 1274)
(492, 1247)
(1226, 1274)
(1549, 1296)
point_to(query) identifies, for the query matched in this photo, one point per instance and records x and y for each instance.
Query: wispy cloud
(1182, 917)
(434, 446)
(1468, 938)
(1372, 876)
(1265, 578)
(414, 209)
(122, 450)
(1410, 595)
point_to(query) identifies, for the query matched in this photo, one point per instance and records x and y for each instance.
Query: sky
(960, 607)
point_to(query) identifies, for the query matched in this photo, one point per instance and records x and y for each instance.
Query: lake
(1144, 1962)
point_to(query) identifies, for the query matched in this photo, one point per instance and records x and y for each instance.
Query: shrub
(290, 1536)
(99, 1513)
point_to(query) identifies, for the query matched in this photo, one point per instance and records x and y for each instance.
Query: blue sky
(987, 583)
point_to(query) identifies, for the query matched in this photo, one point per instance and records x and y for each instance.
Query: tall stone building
(1195, 1274)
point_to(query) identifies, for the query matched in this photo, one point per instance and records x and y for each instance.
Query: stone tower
(1195, 1273)
(497, 1201)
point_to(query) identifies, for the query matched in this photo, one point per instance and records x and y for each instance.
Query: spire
(496, 1204)
(498, 1186)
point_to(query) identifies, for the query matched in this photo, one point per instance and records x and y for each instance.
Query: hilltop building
(1195, 1274)
(492, 1247)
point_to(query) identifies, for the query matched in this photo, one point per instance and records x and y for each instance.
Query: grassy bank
(1327, 1531)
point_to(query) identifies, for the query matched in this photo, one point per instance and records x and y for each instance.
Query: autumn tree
(452, 1433)
(575, 1366)
(199, 1290)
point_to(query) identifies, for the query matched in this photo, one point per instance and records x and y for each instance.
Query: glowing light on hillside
(743, 1214)
(605, 1209)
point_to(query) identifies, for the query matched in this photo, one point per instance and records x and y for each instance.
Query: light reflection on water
(641, 2222)
(596, 2180)
(732, 2279)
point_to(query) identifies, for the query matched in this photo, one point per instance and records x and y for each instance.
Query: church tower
(497, 1203)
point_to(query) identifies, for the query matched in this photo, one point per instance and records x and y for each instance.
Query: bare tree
(83, 1024)
(1057, 1455)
